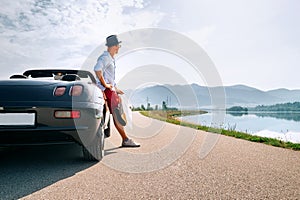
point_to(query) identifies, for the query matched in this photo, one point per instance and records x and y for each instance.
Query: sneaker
(130, 143)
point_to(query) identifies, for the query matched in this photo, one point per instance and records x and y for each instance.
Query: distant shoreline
(171, 116)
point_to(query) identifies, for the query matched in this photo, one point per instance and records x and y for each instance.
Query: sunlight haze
(255, 43)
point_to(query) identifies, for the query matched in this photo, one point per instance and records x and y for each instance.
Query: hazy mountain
(287, 95)
(194, 96)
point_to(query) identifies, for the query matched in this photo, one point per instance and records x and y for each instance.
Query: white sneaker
(130, 143)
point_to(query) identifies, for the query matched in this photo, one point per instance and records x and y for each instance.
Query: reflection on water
(294, 116)
(283, 126)
(238, 114)
(287, 116)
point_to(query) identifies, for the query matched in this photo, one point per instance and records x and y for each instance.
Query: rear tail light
(67, 114)
(59, 91)
(76, 90)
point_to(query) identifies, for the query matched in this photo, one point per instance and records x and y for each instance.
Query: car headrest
(70, 77)
(18, 76)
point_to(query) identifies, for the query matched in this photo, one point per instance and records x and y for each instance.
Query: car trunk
(29, 90)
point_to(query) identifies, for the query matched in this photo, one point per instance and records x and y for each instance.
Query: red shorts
(112, 99)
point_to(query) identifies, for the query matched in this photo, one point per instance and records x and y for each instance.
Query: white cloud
(239, 35)
(251, 42)
(40, 33)
(145, 18)
(202, 35)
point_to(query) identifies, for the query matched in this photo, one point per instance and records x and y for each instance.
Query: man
(105, 75)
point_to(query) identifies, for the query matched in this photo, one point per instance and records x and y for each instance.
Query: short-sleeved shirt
(106, 64)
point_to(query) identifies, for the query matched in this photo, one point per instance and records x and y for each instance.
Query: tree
(164, 106)
(149, 107)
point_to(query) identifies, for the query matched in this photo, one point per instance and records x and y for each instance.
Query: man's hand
(118, 91)
(108, 86)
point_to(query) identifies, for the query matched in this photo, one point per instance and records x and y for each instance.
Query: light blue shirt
(106, 64)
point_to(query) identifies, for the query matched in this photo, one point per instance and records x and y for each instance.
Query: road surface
(173, 163)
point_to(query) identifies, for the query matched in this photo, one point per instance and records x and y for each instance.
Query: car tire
(95, 150)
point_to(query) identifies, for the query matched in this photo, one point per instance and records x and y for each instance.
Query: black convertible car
(53, 107)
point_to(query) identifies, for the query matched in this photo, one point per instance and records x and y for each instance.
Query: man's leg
(119, 127)
(126, 142)
(113, 100)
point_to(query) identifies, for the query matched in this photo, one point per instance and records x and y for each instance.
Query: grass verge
(170, 116)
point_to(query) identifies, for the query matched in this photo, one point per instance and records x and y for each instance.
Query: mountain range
(196, 96)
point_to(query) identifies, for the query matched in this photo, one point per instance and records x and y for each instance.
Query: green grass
(170, 116)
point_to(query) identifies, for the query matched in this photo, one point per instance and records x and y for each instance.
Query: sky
(255, 43)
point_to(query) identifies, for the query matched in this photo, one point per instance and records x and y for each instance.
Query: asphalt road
(173, 163)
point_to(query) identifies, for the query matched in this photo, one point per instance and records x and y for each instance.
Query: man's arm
(102, 81)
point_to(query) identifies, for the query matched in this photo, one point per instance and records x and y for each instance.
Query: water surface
(283, 126)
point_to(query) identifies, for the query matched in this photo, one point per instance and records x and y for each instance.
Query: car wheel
(95, 151)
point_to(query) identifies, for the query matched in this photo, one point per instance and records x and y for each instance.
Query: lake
(283, 126)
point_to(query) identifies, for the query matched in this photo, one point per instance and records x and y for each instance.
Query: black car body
(52, 107)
